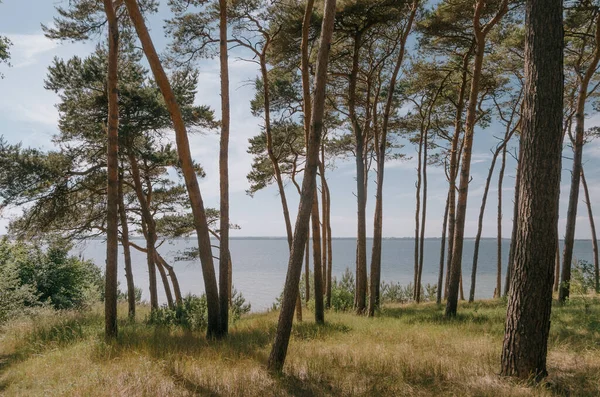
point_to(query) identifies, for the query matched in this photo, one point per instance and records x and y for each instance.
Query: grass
(406, 350)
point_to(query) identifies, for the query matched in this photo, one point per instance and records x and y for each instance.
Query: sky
(28, 115)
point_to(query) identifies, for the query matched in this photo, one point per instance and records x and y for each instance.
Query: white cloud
(27, 48)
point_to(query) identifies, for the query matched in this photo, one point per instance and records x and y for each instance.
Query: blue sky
(27, 114)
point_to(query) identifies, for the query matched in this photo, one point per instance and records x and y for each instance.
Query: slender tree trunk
(500, 149)
(578, 143)
(480, 226)
(463, 190)
(593, 231)
(126, 251)
(438, 298)
(307, 267)
(284, 326)
(557, 264)
(361, 239)
(165, 281)
(454, 163)
(513, 236)
(224, 259)
(148, 226)
(417, 215)
(112, 214)
(173, 276)
(187, 167)
(329, 246)
(530, 297)
(498, 290)
(323, 223)
(423, 215)
(318, 276)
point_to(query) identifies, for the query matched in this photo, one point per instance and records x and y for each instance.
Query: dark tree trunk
(318, 270)
(286, 315)
(126, 251)
(329, 246)
(307, 267)
(417, 213)
(188, 170)
(423, 214)
(224, 259)
(530, 295)
(593, 231)
(112, 214)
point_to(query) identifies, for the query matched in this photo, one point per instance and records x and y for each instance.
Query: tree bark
(284, 326)
(423, 215)
(187, 167)
(463, 190)
(318, 276)
(224, 260)
(530, 295)
(329, 246)
(126, 251)
(307, 267)
(417, 213)
(165, 281)
(112, 215)
(593, 231)
(578, 143)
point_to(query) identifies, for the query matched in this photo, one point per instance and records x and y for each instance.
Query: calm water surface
(260, 264)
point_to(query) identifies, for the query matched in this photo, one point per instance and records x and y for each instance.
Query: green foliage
(342, 292)
(31, 276)
(192, 314)
(582, 277)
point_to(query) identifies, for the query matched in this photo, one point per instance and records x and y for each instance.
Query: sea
(260, 264)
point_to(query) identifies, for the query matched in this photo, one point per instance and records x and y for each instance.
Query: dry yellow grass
(406, 351)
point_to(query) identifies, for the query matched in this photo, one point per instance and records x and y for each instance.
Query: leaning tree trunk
(284, 326)
(126, 251)
(530, 297)
(500, 149)
(187, 167)
(593, 231)
(173, 276)
(165, 281)
(564, 289)
(148, 225)
(463, 190)
(112, 193)
(224, 259)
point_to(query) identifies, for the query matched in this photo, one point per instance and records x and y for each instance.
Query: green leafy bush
(31, 275)
(583, 279)
(192, 314)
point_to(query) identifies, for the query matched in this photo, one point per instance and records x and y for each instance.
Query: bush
(342, 292)
(192, 314)
(583, 278)
(33, 276)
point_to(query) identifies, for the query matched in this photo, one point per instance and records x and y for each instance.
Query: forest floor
(406, 350)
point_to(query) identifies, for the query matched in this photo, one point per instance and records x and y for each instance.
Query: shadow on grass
(298, 387)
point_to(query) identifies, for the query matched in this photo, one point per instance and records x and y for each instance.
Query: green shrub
(582, 277)
(192, 314)
(32, 276)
